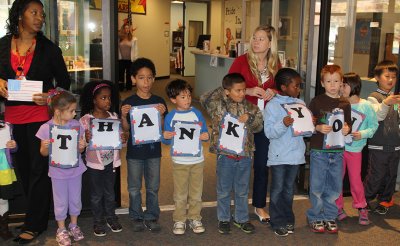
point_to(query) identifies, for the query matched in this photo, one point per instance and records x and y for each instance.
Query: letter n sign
(186, 141)
(232, 135)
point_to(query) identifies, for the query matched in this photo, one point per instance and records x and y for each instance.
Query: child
(187, 171)
(285, 152)
(97, 102)
(352, 156)
(384, 146)
(66, 183)
(326, 164)
(7, 184)
(233, 171)
(144, 159)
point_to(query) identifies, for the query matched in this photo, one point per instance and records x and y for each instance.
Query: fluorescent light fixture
(177, 1)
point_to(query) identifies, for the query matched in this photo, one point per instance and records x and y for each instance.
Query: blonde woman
(258, 67)
(128, 52)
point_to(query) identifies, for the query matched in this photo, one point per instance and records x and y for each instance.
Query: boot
(5, 232)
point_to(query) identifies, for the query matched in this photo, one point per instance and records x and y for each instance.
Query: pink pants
(352, 162)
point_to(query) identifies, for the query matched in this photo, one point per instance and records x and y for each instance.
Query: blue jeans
(233, 175)
(150, 169)
(281, 203)
(325, 185)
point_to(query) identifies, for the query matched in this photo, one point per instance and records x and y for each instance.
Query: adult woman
(128, 52)
(258, 67)
(27, 54)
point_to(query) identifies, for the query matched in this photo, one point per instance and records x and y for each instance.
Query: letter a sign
(63, 149)
(232, 134)
(186, 141)
(106, 134)
(145, 124)
(335, 138)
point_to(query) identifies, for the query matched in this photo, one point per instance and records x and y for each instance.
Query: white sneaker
(179, 228)
(197, 226)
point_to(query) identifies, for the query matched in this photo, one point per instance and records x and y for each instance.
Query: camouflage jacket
(217, 104)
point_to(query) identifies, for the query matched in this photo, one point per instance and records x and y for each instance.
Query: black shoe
(152, 225)
(290, 228)
(224, 227)
(114, 224)
(381, 209)
(282, 232)
(20, 240)
(247, 227)
(138, 225)
(99, 230)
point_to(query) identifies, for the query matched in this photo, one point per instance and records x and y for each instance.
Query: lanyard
(22, 59)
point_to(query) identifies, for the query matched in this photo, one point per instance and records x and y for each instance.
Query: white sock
(3, 206)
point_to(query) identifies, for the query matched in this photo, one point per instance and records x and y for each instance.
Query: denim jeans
(282, 191)
(150, 170)
(325, 185)
(233, 174)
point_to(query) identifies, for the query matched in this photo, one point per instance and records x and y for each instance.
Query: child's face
(332, 84)
(102, 100)
(67, 114)
(293, 88)
(345, 90)
(183, 100)
(144, 80)
(387, 80)
(237, 93)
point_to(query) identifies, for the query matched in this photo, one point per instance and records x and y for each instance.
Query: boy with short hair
(384, 146)
(326, 164)
(144, 159)
(233, 171)
(187, 170)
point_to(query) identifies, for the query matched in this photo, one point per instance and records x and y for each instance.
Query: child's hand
(125, 110)
(204, 136)
(314, 120)
(124, 137)
(324, 129)
(287, 121)
(161, 108)
(392, 99)
(168, 135)
(88, 136)
(46, 143)
(356, 135)
(82, 144)
(346, 129)
(244, 118)
(11, 144)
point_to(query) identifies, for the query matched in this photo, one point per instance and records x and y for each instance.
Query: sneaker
(197, 226)
(224, 227)
(363, 217)
(331, 226)
(381, 209)
(76, 233)
(179, 228)
(152, 225)
(138, 225)
(114, 224)
(282, 232)
(290, 228)
(341, 215)
(62, 238)
(387, 204)
(317, 226)
(99, 230)
(247, 227)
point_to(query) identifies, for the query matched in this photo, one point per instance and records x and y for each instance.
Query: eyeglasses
(149, 78)
(259, 39)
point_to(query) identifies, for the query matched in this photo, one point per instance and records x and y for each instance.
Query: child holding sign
(286, 150)
(326, 159)
(364, 125)
(187, 170)
(143, 159)
(97, 102)
(66, 182)
(233, 170)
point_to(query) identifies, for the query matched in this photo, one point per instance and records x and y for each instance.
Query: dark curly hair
(89, 93)
(17, 10)
(285, 76)
(177, 86)
(142, 63)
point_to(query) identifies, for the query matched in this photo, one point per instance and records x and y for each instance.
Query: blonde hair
(123, 35)
(272, 54)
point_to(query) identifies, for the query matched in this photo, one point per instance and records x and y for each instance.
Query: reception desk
(209, 77)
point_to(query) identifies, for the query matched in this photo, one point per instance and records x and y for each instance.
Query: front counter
(209, 77)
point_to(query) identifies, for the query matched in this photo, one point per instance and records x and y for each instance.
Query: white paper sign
(261, 104)
(64, 148)
(145, 124)
(5, 134)
(23, 90)
(186, 141)
(302, 116)
(335, 138)
(357, 118)
(232, 135)
(106, 134)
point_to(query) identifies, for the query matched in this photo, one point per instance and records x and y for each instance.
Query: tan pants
(188, 189)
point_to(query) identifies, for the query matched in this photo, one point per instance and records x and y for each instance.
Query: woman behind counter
(28, 54)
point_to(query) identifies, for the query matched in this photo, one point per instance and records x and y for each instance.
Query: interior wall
(216, 30)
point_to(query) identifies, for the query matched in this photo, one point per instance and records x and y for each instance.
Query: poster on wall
(362, 38)
(233, 23)
(137, 6)
(396, 39)
(68, 18)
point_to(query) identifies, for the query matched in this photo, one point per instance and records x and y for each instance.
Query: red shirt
(23, 114)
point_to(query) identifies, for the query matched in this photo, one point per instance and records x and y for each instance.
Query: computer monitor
(201, 39)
